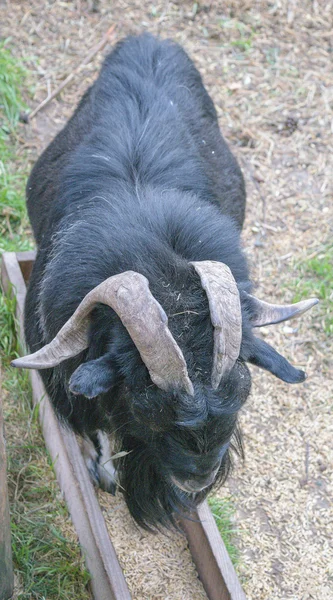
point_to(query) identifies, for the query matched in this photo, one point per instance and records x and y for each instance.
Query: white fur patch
(100, 465)
(107, 472)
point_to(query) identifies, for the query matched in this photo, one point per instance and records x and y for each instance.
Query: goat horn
(225, 313)
(268, 314)
(129, 296)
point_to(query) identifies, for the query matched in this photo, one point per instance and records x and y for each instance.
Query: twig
(183, 312)
(305, 480)
(307, 454)
(90, 55)
(11, 235)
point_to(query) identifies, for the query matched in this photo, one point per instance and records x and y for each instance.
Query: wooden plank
(209, 553)
(107, 579)
(211, 558)
(108, 582)
(26, 261)
(6, 564)
(13, 283)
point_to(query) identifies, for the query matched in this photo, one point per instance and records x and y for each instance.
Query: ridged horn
(129, 296)
(269, 314)
(225, 313)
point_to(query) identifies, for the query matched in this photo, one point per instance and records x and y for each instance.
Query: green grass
(315, 278)
(245, 34)
(244, 44)
(47, 563)
(47, 560)
(223, 512)
(12, 76)
(13, 166)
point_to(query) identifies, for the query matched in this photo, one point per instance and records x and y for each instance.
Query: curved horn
(129, 296)
(225, 313)
(268, 314)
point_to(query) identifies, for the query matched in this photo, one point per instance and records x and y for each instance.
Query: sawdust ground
(268, 67)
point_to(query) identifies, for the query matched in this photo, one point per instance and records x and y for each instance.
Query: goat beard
(152, 499)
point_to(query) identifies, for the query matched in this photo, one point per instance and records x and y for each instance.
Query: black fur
(140, 178)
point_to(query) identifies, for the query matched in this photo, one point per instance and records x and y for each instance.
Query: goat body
(140, 179)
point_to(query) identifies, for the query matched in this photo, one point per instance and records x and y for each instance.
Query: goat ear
(93, 378)
(264, 356)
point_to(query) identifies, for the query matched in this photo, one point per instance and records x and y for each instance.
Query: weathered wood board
(6, 565)
(107, 580)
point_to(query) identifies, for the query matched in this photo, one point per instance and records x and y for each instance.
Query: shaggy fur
(140, 178)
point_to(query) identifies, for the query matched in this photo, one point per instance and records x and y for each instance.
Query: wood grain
(6, 565)
(26, 261)
(211, 558)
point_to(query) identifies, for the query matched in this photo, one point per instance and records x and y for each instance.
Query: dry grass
(268, 66)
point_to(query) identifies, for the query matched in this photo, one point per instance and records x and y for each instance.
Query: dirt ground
(269, 69)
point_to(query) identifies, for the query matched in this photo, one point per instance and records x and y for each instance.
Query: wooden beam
(26, 261)
(208, 551)
(6, 564)
(211, 558)
(13, 283)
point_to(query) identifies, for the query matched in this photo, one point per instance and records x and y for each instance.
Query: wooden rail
(107, 580)
(6, 565)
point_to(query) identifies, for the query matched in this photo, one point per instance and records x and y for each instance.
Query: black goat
(139, 186)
